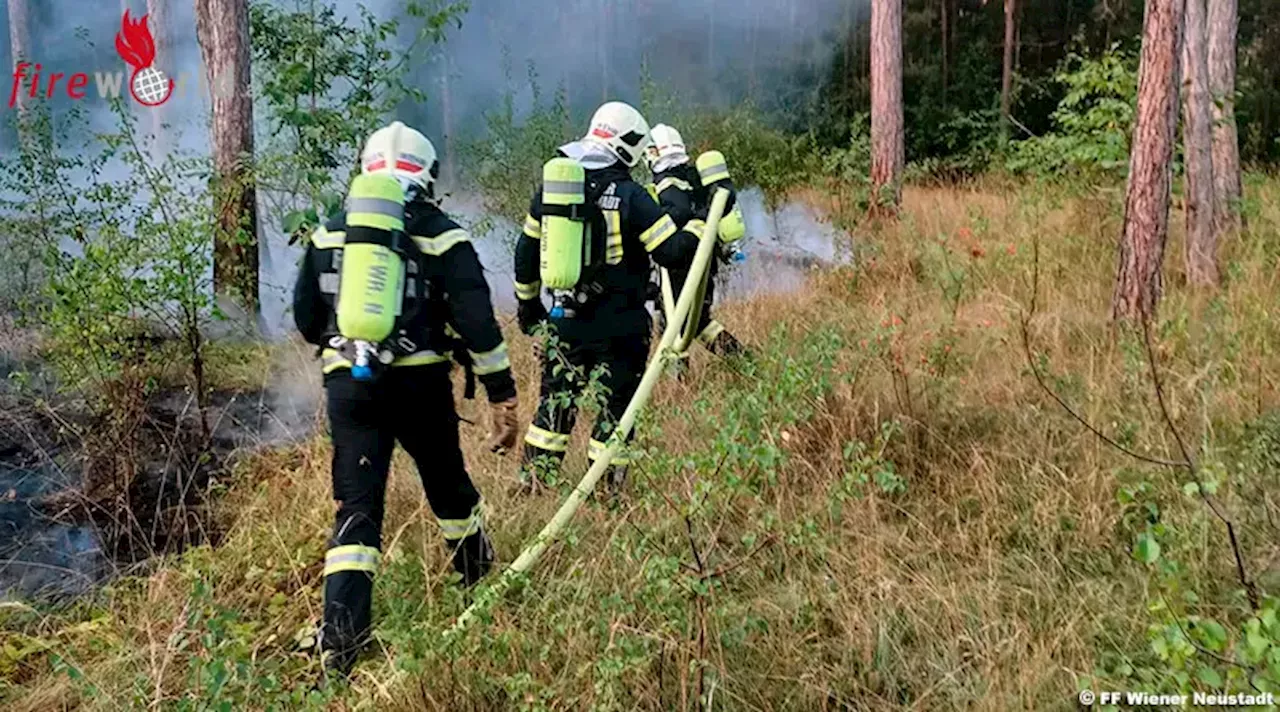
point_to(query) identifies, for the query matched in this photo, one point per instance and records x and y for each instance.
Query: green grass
(883, 512)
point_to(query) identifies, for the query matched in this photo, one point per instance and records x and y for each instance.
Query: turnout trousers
(414, 406)
(547, 439)
(710, 333)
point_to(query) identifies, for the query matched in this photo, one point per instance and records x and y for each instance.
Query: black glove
(530, 313)
(653, 292)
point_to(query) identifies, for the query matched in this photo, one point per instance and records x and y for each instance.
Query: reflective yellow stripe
(330, 361)
(613, 243)
(532, 227)
(420, 358)
(490, 361)
(711, 174)
(674, 183)
(696, 226)
(441, 243)
(658, 233)
(352, 557)
(528, 291)
(546, 440)
(323, 239)
(455, 529)
(595, 450)
(711, 332)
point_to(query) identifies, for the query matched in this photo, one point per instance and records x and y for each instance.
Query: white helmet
(621, 129)
(668, 144)
(405, 153)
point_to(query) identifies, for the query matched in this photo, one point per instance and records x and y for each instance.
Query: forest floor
(884, 511)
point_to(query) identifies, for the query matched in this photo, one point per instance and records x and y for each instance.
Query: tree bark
(1223, 25)
(1006, 82)
(158, 21)
(19, 42)
(446, 106)
(945, 12)
(1197, 141)
(887, 150)
(1146, 212)
(222, 27)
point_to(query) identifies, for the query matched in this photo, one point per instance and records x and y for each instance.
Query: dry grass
(997, 577)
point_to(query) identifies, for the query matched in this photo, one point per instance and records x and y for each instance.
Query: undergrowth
(883, 511)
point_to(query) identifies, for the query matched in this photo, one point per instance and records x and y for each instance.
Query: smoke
(706, 52)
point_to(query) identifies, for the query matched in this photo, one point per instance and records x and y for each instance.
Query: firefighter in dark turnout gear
(445, 309)
(606, 322)
(684, 191)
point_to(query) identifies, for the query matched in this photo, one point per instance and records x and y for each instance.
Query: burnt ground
(75, 510)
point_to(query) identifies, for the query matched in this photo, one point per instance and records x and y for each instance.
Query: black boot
(727, 345)
(615, 480)
(473, 558)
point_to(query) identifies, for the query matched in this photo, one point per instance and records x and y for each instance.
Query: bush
(1092, 122)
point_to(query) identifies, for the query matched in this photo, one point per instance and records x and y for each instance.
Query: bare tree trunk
(158, 21)
(887, 150)
(1223, 24)
(605, 37)
(1006, 82)
(945, 10)
(1197, 141)
(446, 106)
(222, 27)
(19, 38)
(1146, 210)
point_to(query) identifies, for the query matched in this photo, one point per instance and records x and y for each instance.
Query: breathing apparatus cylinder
(372, 282)
(566, 236)
(713, 169)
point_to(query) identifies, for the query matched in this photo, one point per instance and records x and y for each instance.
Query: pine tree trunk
(1146, 211)
(222, 27)
(1197, 139)
(1006, 82)
(887, 150)
(158, 21)
(1223, 24)
(446, 106)
(19, 47)
(944, 10)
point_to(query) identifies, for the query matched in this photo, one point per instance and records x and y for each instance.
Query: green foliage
(124, 247)
(328, 81)
(505, 161)
(1092, 123)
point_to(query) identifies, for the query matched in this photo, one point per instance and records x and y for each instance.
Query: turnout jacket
(685, 199)
(457, 313)
(636, 230)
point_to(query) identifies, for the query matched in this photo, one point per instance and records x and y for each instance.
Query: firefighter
(444, 308)
(684, 191)
(602, 320)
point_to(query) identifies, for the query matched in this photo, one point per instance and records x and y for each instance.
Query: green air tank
(713, 168)
(371, 288)
(565, 235)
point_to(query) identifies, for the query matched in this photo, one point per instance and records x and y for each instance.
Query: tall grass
(884, 511)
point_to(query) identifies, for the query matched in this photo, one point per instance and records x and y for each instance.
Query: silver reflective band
(563, 187)
(376, 206)
(328, 282)
(491, 361)
(714, 170)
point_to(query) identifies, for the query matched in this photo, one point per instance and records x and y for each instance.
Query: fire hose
(680, 329)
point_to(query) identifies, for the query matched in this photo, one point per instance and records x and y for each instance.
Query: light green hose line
(668, 299)
(702, 275)
(688, 308)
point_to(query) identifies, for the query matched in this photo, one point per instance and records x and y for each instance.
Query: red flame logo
(138, 49)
